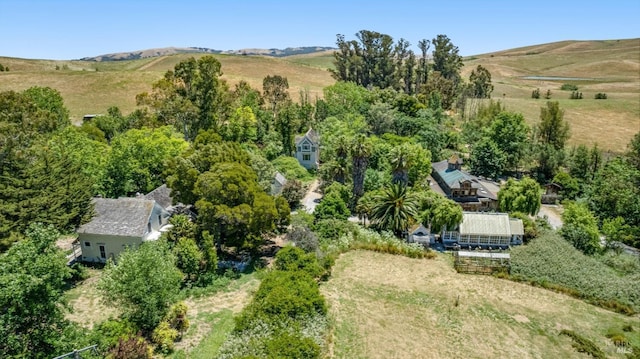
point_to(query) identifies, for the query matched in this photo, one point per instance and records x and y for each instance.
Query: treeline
(373, 60)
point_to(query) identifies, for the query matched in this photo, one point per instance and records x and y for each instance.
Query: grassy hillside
(387, 306)
(92, 87)
(612, 67)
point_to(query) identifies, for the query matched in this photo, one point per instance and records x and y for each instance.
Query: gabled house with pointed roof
(118, 224)
(277, 183)
(308, 149)
(470, 192)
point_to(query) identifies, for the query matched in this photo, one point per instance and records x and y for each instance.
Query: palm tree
(364, 207)
(400, 158)
(394, 209)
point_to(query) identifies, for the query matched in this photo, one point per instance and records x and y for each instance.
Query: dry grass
(92, 87)
(394, 307)
(613, 65)
(85, 300)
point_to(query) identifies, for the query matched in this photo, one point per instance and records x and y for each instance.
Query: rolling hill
(611, 66)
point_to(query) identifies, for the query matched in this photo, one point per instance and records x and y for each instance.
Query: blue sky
(67, 29)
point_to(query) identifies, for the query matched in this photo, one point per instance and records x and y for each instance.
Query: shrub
(551, 261)
(292, 258)
(331, 229)
(569, 87)
(292, 346)
(547, 95)
(291, 168)
(575, 95)
(293, 192)
(600, 96)
(583, 345)
(283, 295)
(177, 317)
(111, 331)
(535, 94)
(135, 347)
(164, 336)
(303, 238)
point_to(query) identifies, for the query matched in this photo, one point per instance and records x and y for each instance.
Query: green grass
(222, 323)
(552, 262)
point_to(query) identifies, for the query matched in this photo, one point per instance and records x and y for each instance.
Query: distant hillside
(142, 54)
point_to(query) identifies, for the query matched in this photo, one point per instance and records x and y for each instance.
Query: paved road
(551, 211)
(312, 198)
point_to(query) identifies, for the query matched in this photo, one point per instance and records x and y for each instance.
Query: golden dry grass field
(386, 306)
(612, 67)
(92, 87)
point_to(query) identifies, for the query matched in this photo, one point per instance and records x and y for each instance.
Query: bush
(535, 94)
(303, 238)
(293, 192)
(569, 87)
(164, 336)
(550, 261)
(111, 331)
(291, 168)
(283, 295)
(292, 258)
(135, 347)
(575, 95)
(292, 346)
(584, 345)
(600, 96)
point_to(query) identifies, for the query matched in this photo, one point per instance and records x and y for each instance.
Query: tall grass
(384, 242)
(551, 262)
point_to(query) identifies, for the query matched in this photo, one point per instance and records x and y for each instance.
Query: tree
(615, 190)
(293, 192)
(331, 206)
(446, 59)
(520, 196)
(580, 227)
(510, 132)
(480, 80)
(360, 153)
(440, 212)
(143, 284)
(487, 159)
(401, 159)
(275, 92)
(32, 277)
(569, 185)
(394, 209)
(192, 97)
(137, 160)
(552, 128)
(232, 206)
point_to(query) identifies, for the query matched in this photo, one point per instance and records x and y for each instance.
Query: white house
(120, 223)
(484, 230)
(308, 149)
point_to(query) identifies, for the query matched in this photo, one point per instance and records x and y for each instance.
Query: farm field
(385, 306)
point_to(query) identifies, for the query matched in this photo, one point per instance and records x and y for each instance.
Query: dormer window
(305, 147)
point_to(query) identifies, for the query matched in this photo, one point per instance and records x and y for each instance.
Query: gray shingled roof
(162, 196)
(279, 178)
(311, 135)
(119, 217)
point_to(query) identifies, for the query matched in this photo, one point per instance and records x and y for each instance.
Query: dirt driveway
(553, 213)
(312, 198)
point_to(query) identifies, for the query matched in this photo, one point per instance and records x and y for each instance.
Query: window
(159, 220)
(305, 147)
(87, 244)
(103, 252)
(306, 157)
(149, 226)
(299, 149)
(313, 149)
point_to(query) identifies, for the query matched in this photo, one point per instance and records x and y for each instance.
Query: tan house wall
(114, 245)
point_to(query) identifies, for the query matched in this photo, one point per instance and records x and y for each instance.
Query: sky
(72, 29)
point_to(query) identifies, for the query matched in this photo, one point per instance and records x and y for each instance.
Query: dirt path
(312, 198)
(148, 65)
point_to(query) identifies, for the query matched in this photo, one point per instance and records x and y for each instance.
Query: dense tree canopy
(520, 196)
